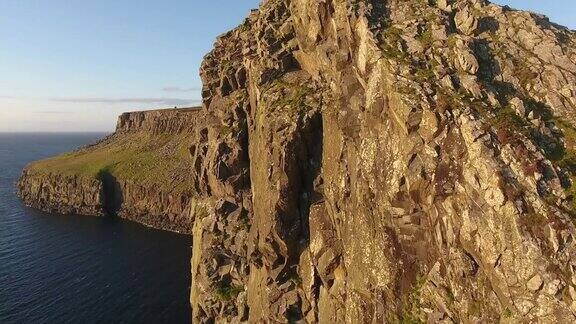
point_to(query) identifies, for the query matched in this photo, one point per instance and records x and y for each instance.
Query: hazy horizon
(74, 67)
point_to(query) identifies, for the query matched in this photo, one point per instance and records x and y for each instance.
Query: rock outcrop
(61, 194)
(163, 121)
(407, 161)
(382, 161)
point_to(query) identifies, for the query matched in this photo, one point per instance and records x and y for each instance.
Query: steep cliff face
(137, 173)
(382, 161)
(164, 121)
(62, 194)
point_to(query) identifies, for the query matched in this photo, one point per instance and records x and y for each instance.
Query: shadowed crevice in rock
(112, 196)
(310, 152)
(311, 177)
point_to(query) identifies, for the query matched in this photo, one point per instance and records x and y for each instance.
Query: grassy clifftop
(153, 159)
(160, 161)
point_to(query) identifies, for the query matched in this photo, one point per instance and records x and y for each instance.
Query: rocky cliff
(401, 161)
(62, 194)
(385, 161)
(137, 173)
(163, 121)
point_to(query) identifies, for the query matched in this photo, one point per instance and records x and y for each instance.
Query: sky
(75, 65)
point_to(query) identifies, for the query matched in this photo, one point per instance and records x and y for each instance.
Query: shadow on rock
(112, 197)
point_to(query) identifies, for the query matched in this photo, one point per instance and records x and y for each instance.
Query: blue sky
(74, 65)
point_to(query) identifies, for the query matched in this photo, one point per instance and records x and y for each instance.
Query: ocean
(80, 269)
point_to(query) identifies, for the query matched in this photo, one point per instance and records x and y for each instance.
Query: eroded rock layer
(400, 161)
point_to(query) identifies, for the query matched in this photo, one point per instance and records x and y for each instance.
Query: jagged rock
(465, 20)
(371, 221)
(471, 85)
(465, 59)
(535, 283)
(445, 5)
(518, 106)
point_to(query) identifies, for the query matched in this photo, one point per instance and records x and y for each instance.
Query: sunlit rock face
(376, 161)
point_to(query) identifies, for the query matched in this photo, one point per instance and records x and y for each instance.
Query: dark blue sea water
(78, 269)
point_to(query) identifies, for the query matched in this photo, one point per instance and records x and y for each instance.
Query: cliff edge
(408, 161)
(361, 161)
(137, 173)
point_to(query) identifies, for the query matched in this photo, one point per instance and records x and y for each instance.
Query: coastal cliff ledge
(137, 173)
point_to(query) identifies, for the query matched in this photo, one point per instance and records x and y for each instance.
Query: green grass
(161, 161)
(567, 158)
(245, 26)
(507, 118)
(391, 40)
(228, 292)
(423, 75)
(412, 305)
(426, 37)
(295, 98)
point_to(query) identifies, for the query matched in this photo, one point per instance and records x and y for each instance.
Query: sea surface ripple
(79, 269)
